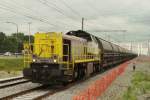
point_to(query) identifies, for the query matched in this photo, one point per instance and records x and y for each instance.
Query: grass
(11, 63)
(140, 85)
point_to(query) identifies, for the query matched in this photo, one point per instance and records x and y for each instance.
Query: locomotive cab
(50, 53)
(53, 57)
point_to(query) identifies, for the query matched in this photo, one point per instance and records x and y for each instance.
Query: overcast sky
(65, 15)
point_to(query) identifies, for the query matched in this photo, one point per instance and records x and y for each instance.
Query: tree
(21, 38)
(2, 38)
(13, 43)
(26, 38)
(9, 45)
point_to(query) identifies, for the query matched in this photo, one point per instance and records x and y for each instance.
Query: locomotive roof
(84, 34)
(81, 34)
(87, 36)
(74, 38)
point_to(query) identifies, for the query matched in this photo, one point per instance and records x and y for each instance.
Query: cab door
(66, 50)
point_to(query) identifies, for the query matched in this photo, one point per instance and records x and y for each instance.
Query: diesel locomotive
(56, 57)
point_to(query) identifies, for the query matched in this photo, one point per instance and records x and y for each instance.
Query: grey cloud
(130, 15)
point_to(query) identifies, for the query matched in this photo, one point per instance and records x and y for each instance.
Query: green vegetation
(13, 43)
(140, 86)
(11, 64)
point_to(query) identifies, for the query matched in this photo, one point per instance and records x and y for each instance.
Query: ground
(119, 89)
(131, 85)
(10, 66)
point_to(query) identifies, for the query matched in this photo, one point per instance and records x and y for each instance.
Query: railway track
(12, 96)
(54, 90)
(10, 79)
(37, 93)
(40, 92)
(12, 82)
(59, 89)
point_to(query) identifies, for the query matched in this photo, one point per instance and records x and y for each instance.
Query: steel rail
(21, 93)
(13, 84)
(11, 79)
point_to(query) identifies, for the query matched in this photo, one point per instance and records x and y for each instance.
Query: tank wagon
(56, 57)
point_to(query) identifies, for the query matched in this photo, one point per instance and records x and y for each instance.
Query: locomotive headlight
(34, 70)
(55, 60)
(34, 60)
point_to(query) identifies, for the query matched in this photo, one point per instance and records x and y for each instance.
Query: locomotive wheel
(98, 68)
(79, 72)
(95, 68)
(85, 73)
(75, 73)
(65, 83)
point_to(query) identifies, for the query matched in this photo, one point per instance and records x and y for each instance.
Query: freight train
(61, 58)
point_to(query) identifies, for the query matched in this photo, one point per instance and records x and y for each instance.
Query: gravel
(12, 82)
(74, 90)
(32, 95)
(5, 74)
(116, 90)
(113, 92)
(15, 89)
(118, 86)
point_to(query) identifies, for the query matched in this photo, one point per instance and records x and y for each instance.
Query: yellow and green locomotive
(56, 57)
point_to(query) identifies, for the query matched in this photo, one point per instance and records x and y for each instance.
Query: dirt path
(116, 90)
(4, 74)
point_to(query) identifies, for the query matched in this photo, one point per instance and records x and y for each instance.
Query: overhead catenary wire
(30, 17)
(72, 10)
(11, 9)
(71, 16)
(45, 19)
(32, 11)
(53, 6)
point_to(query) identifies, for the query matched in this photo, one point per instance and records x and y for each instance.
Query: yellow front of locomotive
(47, 54)
(47, 47)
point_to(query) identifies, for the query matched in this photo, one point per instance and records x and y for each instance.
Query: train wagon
(110, 53)
(62, 58)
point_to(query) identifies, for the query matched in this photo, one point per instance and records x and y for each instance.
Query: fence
(98, 87)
